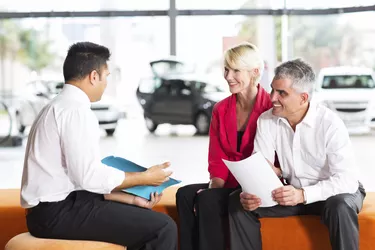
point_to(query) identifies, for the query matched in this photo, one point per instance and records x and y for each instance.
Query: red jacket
(223, 135)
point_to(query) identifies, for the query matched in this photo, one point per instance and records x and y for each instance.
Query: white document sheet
(256, 177)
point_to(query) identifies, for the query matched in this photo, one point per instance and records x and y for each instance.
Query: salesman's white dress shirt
(62, 153)
(317, 156)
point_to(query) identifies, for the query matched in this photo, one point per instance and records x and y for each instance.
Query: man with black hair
(66, 190)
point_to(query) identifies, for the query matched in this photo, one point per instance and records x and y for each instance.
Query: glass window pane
(269, 4)
(5, 119)
(83, 5)
(134, 4)
(36, 49)
(323, 4)
(334, 40)
(233, 4)
(203, 40)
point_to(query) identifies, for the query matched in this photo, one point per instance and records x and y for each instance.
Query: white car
(350, 92)
(38, 93)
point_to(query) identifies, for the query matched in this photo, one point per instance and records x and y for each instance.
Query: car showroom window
(348, 81)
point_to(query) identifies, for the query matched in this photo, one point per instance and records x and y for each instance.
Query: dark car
(178, 98)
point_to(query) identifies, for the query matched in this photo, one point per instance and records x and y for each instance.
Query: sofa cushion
(27, 241)
(295, 232)
(12, 215)
(308, 233)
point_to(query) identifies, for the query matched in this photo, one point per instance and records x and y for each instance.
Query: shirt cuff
(313, 194)
(114, 178)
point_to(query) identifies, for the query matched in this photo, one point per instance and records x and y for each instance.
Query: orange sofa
(302, 233)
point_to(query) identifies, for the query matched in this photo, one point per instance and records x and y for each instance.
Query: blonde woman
(203, 208)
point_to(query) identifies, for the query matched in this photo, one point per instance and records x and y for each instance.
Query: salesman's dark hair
(83, 58)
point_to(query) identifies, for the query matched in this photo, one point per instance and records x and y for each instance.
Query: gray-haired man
(316, 159)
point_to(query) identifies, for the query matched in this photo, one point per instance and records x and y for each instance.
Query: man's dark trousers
(87, 216)
(339, 213)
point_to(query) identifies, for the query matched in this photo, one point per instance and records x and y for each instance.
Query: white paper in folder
(256, 177)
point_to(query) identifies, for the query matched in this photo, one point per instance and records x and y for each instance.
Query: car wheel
(20, 127)
(110, 132)
(151, 125)
(202, 123)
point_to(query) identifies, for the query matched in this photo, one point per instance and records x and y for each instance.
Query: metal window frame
(173, 11)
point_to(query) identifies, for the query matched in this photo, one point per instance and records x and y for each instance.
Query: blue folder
(128, 166)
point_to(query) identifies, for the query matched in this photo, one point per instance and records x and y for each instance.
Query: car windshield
(348, 82)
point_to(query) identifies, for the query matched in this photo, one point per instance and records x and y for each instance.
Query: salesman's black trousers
(87, 216)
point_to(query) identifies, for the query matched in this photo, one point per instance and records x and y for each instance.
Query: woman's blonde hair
(244, 56)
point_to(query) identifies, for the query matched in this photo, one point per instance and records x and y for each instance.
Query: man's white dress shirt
(62, 153)
(317, 156)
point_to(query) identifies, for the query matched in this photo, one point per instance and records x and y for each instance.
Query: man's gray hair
(300, 73)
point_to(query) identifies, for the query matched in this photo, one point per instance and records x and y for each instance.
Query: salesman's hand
(288, 195)
(158, 174)
(141, 202)
(249, 202)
